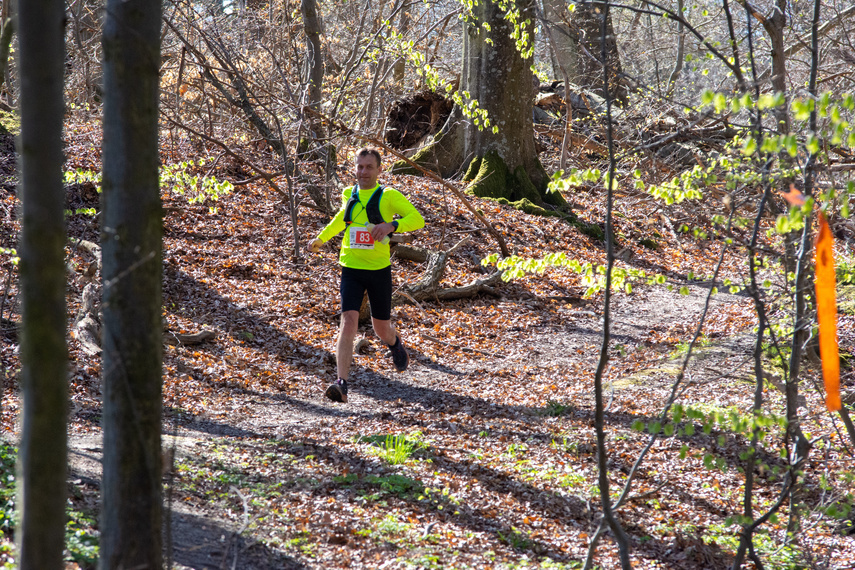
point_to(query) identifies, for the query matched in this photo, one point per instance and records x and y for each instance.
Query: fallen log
(87, 324)
(411, 253)
(186, 339)
(427, 288)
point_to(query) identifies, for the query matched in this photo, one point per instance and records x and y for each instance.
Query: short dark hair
(370, 151)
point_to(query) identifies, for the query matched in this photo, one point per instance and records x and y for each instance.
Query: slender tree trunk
(5, 47)
(565, 64)
(314, 61)
(681, 51)
(564, 45)
(131, 239)
(44, 356)
(599, 412)
(585, 26)
(801, 325)
(400, 66)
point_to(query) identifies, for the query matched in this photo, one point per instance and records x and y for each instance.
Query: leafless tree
(44, 356)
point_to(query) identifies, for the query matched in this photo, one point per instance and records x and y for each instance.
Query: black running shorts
(378, 283)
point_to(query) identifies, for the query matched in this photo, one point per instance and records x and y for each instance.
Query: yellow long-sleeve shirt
(392, 203)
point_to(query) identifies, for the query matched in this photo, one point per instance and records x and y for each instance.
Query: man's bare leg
(337, 391)
(385, 330)
(344, 346)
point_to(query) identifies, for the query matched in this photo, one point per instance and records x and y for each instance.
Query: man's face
(367, 171)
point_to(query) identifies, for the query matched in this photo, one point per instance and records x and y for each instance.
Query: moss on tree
(424, 158)
(490, 178)
(524, 187)
(593, 231)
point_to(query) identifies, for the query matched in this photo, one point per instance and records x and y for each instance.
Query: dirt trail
(429, 395)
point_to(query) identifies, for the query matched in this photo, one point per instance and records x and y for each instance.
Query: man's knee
(383, 328)
(349, 322)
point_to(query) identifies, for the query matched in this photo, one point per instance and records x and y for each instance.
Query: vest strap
(372, 207)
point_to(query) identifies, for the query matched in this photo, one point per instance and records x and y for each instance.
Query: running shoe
(337, 392)
(400, 358)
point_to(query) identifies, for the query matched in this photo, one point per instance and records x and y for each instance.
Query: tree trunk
(131, 239)
(501, 164)
(585, 28)
(44, 355)
(400, 66)
(774, 26)
(314, 63)
(5, 47)
(681, 52)
(564, 45)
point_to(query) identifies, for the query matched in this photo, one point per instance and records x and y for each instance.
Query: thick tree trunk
(585, 23)
(504, 163)
(131, 239)
(44, 357)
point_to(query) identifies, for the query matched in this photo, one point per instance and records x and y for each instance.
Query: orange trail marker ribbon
(793, 197)
(826, 310)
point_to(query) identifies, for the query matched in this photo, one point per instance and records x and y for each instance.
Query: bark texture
(131, 240)
(44, 357)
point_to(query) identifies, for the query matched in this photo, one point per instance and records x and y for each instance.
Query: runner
(367, 216)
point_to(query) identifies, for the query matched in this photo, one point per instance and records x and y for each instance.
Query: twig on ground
(462, 348)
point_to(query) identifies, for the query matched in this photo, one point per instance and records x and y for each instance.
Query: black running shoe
(337, 392)
(400, 358)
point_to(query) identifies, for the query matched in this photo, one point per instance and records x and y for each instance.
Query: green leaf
(719, 102)
(791, 145)
(771, 145)
(749, 147)
(813, 144)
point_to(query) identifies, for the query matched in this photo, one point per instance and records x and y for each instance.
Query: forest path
(457, 398)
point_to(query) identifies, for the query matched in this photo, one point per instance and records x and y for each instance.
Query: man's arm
(410, 218)
(334, 227)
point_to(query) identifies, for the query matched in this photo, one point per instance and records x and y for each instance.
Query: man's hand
(316, 245)
(380, 231)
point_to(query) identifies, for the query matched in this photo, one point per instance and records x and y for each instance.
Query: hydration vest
(372, 207)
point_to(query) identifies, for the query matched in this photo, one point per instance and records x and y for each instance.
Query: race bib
(360, 238)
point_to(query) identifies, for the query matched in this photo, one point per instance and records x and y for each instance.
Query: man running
(367, 217)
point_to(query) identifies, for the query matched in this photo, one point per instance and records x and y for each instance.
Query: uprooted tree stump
(414, 117)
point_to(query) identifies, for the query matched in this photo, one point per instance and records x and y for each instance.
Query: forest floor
(483, 453)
